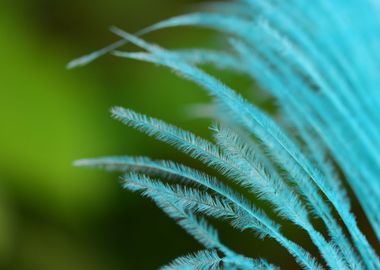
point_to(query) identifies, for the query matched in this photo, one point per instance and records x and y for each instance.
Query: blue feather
(320, 60)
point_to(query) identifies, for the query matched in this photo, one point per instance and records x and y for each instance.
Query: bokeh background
(56, 216)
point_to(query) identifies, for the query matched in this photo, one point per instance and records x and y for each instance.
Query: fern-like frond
(280, 144)
(296, 57)
(208, 236)
(319, 59)
(185, 141)
(202, 202)
(273, 189)
(210, 260)
(203, 260)
(241, 217)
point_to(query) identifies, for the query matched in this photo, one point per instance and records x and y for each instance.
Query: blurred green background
(56, 216)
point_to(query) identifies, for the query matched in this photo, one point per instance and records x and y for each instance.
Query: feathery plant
(321, 61)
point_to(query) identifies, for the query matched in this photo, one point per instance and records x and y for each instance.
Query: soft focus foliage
(319, 61)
